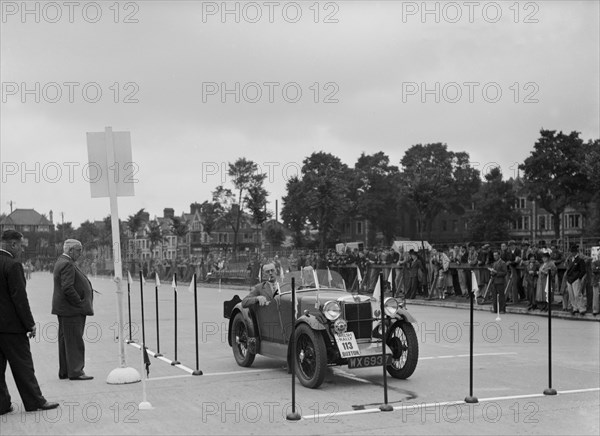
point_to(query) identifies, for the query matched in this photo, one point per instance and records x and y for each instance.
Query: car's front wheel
(403, 344)
(311, 356)
(239, 341)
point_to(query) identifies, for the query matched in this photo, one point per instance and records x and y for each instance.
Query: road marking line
(444, 403)
(245, 371)
(164, 359)
(342, 373)
(465, 355)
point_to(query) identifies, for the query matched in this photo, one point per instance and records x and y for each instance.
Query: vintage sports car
(333, 327)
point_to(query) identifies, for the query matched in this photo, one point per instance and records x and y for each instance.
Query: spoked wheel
(402, 341)
(311, 356)
(239, 341)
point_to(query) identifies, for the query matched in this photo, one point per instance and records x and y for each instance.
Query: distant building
(37, 230)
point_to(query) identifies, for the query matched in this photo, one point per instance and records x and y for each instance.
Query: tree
(375, 192)
(225, 207)
(495, 209)
(136, 222)
(242, 173)
(293, 212)
(435, 179)
(179, 228)
(324, 194)
(274, 235)
(88, 234)
(256, 202)
(65, 230)
(210, 212)
(591, 168)
(155, 235)
(554, 173)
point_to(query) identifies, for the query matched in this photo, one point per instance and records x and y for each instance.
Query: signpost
(109, 155)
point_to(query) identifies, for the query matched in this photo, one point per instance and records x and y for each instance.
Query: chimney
(51, 217)
(195, 207)
(169, 212)
(276, 210)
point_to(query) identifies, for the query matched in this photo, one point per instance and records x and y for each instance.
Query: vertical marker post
(293, 415)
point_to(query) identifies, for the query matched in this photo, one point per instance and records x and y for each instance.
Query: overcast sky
(364, 77)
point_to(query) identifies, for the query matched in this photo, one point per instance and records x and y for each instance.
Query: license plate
(347, 345)
(366, 361)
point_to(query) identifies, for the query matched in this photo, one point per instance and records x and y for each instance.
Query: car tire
(403, 343)
(311, 356)
(239, 341)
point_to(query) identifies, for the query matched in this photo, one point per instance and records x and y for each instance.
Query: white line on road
(164, 359)
(465, 355)
(444, 403)
(240, 372)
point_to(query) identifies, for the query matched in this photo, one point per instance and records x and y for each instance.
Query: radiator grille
(359, 319)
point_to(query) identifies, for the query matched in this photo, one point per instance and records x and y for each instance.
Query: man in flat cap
(16, 327)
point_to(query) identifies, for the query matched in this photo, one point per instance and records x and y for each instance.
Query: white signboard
(120, 168)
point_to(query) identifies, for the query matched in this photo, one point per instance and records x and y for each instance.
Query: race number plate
(366, 361)
(347, 345)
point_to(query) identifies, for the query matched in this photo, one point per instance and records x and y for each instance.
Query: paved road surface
(510, 373)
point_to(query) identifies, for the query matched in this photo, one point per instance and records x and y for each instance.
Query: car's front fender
(403, 314)
(247, 315)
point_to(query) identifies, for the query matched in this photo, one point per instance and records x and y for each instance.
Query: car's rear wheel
(311, 356)
(403, 344)
(239, 341)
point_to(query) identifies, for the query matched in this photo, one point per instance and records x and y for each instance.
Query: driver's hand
(262, 301)
(32, 332)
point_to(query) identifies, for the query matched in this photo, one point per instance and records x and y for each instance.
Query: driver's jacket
(265, 289)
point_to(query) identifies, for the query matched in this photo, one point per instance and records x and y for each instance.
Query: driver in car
(263, 293)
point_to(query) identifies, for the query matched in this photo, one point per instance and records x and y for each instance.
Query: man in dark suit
(16, 327)
(263, 293)
(72, 301)
(498, 272)
(576, 270)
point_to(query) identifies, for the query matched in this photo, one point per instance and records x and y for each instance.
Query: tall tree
(242, 173)
(210, 213)
(65, 230)
(136, 222)
(155, 235)
(293, 212)
(375, 191)
(256, 202)
(554, 173)
(495, 209)
(591, 168)
(435, 179)
(180, 228)
(325, 186)
(88, 234)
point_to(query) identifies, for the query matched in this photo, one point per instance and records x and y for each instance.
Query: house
(37, 230)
